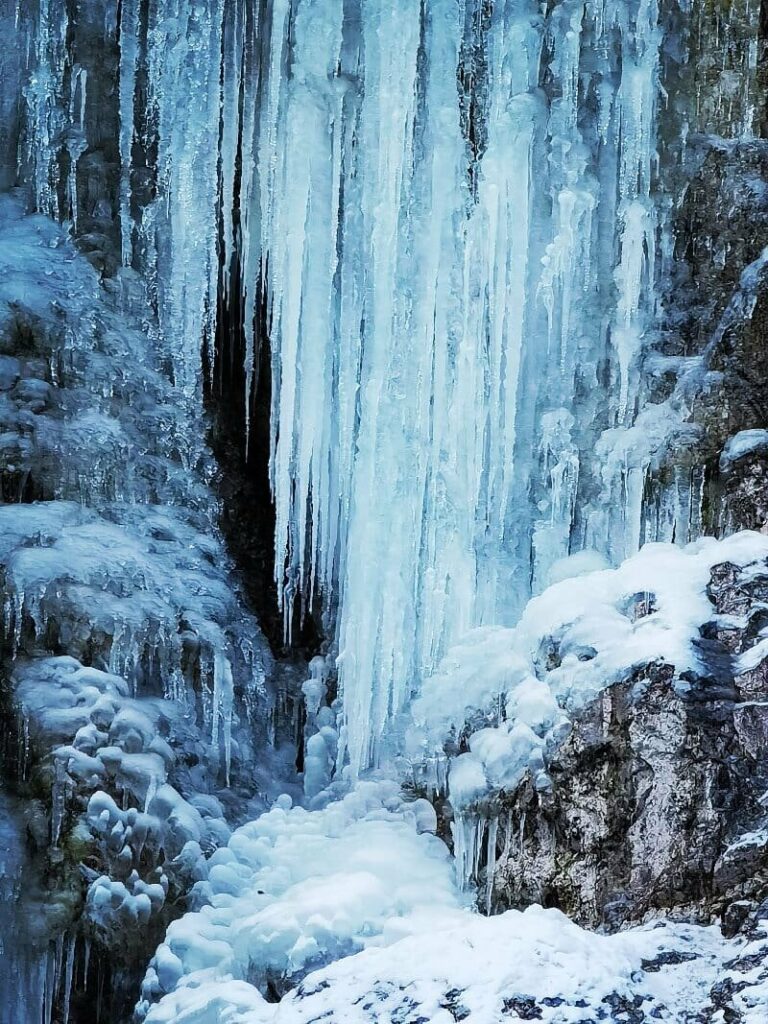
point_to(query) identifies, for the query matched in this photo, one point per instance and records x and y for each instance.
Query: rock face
(708, 365)
(656, 802)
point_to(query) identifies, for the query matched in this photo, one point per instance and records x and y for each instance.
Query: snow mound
(297, 888)
(746, 442)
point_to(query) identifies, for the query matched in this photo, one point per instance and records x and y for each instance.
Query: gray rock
(655, 803)
(10, 371)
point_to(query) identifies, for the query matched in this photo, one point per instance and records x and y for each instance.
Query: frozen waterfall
(453, 212)
(352, 352)
(447, 222)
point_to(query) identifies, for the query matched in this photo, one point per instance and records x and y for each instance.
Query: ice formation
(439, 235)
(296, 888)
(344, 146)
(373, 372)
(445, 224)
(135, 672)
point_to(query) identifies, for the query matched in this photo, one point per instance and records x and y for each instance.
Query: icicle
(46, 118)
(182, 234)
(250, 230)
(58, 800)
(129, 31)
(490, 865)
(223, 699)
(49, 984)
(233, 55)
(77, 142)
(86, 962)
(469, 831)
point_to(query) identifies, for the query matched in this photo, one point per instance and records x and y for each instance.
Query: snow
(746, 442)
(604, 623)
(485, 970)
(296, 888)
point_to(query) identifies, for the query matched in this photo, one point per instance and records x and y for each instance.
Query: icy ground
(535, 965)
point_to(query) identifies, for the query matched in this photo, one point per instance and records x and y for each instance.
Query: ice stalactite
(129, 53)
(184, 70)
(48, 64)
(436, 270)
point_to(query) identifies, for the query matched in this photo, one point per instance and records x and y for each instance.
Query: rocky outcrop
(656, 802)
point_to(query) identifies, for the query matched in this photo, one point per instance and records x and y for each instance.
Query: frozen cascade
(446, 224)
(422, 275)
(417, 212)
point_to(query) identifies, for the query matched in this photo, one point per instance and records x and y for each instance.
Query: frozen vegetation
(424, 257)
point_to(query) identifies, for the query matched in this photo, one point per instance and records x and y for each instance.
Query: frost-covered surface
(507, 693)
(535, 965)
(139, 682)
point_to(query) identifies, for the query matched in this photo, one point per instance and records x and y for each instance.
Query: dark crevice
(242, 452)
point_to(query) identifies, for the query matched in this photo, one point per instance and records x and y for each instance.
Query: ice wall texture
(454, 219)
(444, 357)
